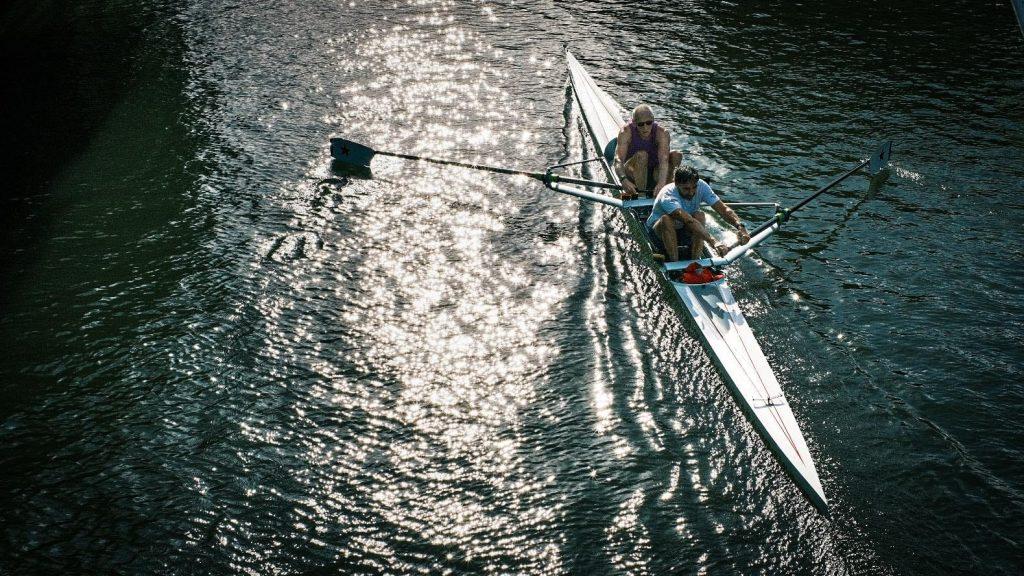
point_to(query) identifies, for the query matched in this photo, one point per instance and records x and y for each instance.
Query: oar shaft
(784, 214)
(543, 177)
(822, 190)
(497, 169)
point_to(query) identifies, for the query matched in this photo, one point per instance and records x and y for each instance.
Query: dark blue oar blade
(881, 157)
(350, 152)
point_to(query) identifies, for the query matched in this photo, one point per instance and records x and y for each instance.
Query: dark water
(220, 356)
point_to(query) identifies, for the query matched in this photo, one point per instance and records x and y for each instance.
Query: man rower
(642, 155)
(677, 212)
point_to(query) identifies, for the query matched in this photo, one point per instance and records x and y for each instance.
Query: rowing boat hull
(713, 311)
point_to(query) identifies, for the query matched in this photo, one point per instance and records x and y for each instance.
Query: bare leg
(636, 168)
(665, 228)
(696, 241)
(675, 158)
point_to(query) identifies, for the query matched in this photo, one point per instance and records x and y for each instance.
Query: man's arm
(693, 224)
(621, 149)
(729, 216)
(663, 143)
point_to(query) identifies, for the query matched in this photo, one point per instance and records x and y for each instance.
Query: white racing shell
(713, 309)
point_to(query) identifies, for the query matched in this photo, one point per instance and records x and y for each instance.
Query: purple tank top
(636, 144)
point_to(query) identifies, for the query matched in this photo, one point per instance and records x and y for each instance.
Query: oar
(762, 232)
(360, 155)
(875, 163)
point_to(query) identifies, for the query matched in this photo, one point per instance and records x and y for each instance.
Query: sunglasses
(645, 123)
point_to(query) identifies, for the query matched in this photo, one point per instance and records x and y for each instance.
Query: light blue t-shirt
(669, 200)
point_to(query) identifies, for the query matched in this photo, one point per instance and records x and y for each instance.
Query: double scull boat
(711, 306)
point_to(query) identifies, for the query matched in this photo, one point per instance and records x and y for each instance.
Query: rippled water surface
(224, 355)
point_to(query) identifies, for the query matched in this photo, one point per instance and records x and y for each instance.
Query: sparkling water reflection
(231, 356)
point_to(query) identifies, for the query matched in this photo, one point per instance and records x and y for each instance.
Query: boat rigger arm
(732, 255)
(580, 193)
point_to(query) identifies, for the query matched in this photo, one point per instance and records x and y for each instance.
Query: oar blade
(351, 152)
(881, 157)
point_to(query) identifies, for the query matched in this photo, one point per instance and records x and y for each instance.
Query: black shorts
(684, 237)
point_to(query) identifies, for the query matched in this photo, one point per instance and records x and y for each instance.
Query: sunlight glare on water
(227, 354)
(440, 305)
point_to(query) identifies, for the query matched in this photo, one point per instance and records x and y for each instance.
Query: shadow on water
(837, 232)
(346, 170)
(63, 74)
(102, 111)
